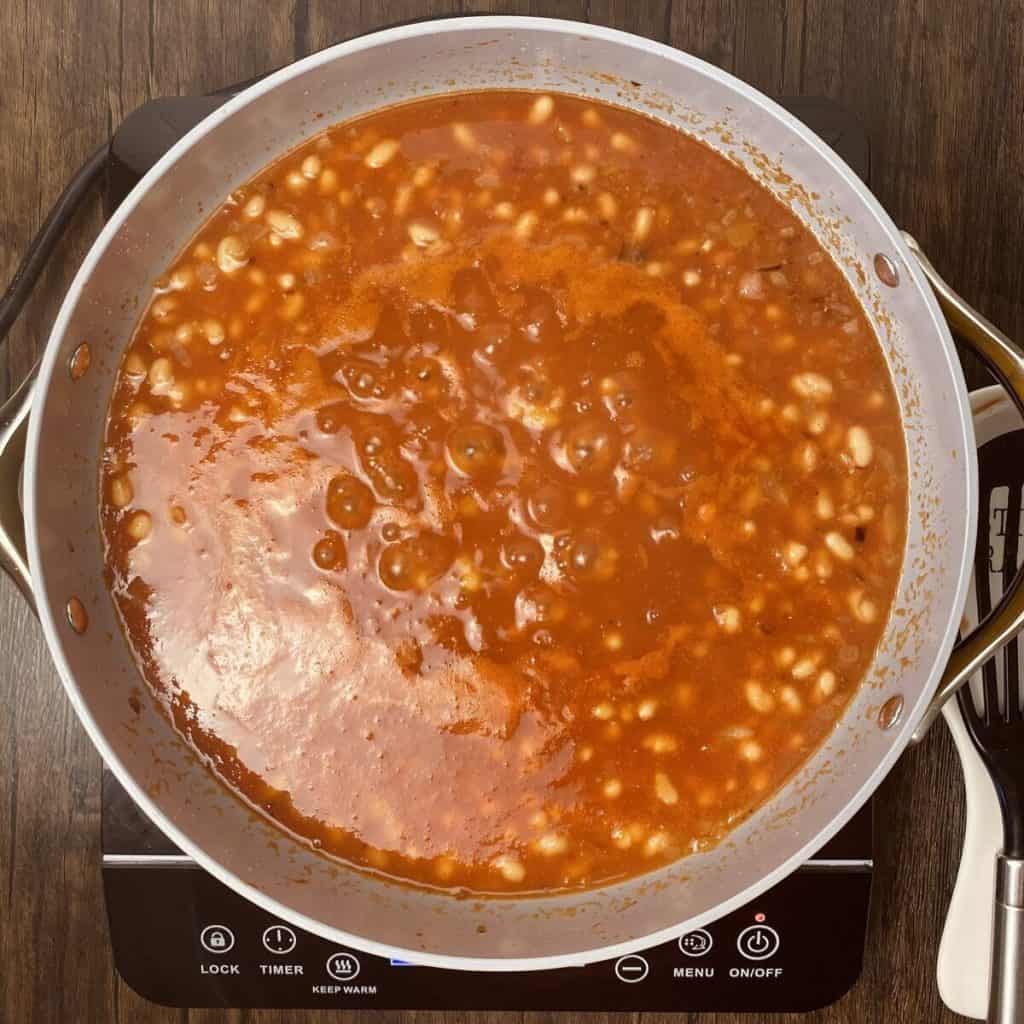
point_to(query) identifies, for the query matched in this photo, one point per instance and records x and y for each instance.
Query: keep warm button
(758, 942)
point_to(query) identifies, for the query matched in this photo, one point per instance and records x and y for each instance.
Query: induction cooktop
(182, 938)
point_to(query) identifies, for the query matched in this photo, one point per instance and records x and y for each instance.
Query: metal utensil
(962, 969)
(997, 731)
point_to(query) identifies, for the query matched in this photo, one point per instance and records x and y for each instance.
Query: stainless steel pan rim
(35, 471)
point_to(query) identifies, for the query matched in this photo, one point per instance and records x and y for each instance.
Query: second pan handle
(1006, 361)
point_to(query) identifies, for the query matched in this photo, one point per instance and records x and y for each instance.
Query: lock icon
(216, 938)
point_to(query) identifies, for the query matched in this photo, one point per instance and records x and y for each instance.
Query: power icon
(758, 942)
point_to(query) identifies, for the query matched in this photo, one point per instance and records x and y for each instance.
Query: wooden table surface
(940, 86)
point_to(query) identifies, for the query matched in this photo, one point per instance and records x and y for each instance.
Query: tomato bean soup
(503, 491)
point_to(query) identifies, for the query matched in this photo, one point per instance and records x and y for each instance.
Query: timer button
(279, 939)
(758, 942)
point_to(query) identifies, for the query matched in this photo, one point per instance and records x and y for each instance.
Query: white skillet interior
(66, 429)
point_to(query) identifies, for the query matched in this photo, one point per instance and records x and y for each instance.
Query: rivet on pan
(78, 364)
(891, 712)
(78, 618)
(886, 270)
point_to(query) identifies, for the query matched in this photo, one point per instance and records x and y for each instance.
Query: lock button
(217, 938)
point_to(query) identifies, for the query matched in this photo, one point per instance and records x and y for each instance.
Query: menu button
(697, 943)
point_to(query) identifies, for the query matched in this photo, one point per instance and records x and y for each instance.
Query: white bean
(646, 709)
(464, 136)
(541, 110)
(121, 492)
(552, 844)
(255, 206)
(511, 869)
(583, 174)
(642, 224)
(751, 750)
(864, 609)
(664, 790)
(161, 374)
(607, 207)
(790, 699)
(232, 253)
(283, 224)
(423, 235)
(660, 743)
(656, 844)
(758, 697)
(811, 385)
(140, 525)
(794, 553)
(858, 443)
(381, 154)
(804, 668)
(808, 457)
(311, 167)
(622, 142)
(827, 683)
(839, 546)
(526, 224)
(728, 617)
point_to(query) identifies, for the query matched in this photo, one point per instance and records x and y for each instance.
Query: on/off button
(758, 942)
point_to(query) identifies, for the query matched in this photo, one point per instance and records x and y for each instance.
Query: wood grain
(944, 102)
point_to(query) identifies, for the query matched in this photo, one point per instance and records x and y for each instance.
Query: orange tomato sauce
(504, 492)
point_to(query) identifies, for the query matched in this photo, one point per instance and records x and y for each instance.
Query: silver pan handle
(13, 429)
(1006, 360)
(14, 412)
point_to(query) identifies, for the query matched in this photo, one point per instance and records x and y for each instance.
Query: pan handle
(1006, 361)
(13, 428)
(14, 412)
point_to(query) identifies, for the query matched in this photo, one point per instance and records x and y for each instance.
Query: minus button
(631, 969)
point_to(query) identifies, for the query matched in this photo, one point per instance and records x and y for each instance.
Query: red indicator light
(759, 918)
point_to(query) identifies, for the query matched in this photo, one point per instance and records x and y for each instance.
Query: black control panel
(183, 939)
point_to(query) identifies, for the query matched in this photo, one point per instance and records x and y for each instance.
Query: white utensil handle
(966, 949)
